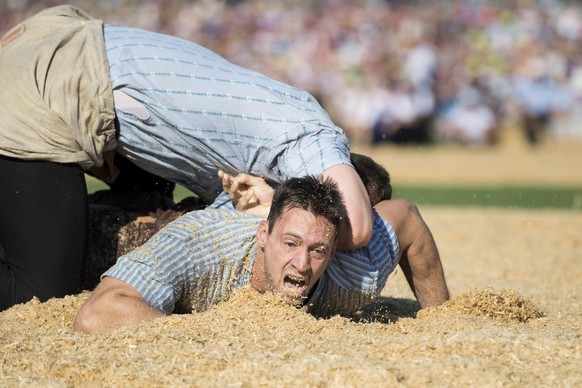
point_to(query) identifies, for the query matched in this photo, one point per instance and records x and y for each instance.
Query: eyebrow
(315, 244)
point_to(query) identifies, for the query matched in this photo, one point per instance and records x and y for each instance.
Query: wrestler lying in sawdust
(186, 268)
(116, 231)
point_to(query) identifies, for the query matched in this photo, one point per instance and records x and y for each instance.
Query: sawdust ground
(514, 318)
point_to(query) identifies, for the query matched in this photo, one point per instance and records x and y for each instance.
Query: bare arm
(357, 230)
(420, 259)
(112, 305)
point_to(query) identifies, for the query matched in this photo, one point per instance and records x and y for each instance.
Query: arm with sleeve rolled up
(420, 260)
(112, 305)
(356, 231)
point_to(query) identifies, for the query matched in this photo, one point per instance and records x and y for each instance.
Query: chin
(298, 303)
(296, 300)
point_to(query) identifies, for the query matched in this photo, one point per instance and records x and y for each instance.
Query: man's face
(295, 253)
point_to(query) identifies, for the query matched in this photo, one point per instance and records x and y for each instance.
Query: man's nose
(302, 261)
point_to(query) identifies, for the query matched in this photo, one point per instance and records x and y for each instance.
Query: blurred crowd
(427, 71)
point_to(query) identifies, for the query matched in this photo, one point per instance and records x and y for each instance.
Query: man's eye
(320, 252)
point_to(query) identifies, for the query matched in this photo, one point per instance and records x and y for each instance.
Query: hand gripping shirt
(185, 112)
(201, 258)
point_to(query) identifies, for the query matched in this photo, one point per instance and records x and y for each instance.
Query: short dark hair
(376, 178)
(320, 197)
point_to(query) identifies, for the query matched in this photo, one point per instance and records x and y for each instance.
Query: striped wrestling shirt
(185, 112)
(201, 258)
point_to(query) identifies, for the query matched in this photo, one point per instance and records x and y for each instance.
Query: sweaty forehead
(305, 225)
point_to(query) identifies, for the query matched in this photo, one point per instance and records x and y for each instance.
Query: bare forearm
(103, 318)
(110, 308)
(356, 231)
(431, 294)
(430, 289)
(420, 260)
(425, 275)
(348, 238)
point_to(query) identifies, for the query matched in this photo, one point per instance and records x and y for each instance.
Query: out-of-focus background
(482, 76)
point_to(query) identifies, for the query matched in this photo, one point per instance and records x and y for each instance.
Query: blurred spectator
(468, 121)
(405, 116)
(539, 98)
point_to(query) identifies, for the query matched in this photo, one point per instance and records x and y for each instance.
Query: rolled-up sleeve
(155, 270)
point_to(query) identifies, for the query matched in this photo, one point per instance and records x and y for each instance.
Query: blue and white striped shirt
(200, 113)
(194, 262)
(198, 261)
(355, 277)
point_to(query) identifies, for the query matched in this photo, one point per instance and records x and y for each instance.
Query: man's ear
(262, 233)
(333, 250)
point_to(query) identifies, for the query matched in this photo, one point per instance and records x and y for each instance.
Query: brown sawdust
(503, 305)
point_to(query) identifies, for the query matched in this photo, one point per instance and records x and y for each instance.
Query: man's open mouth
(298, 282)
